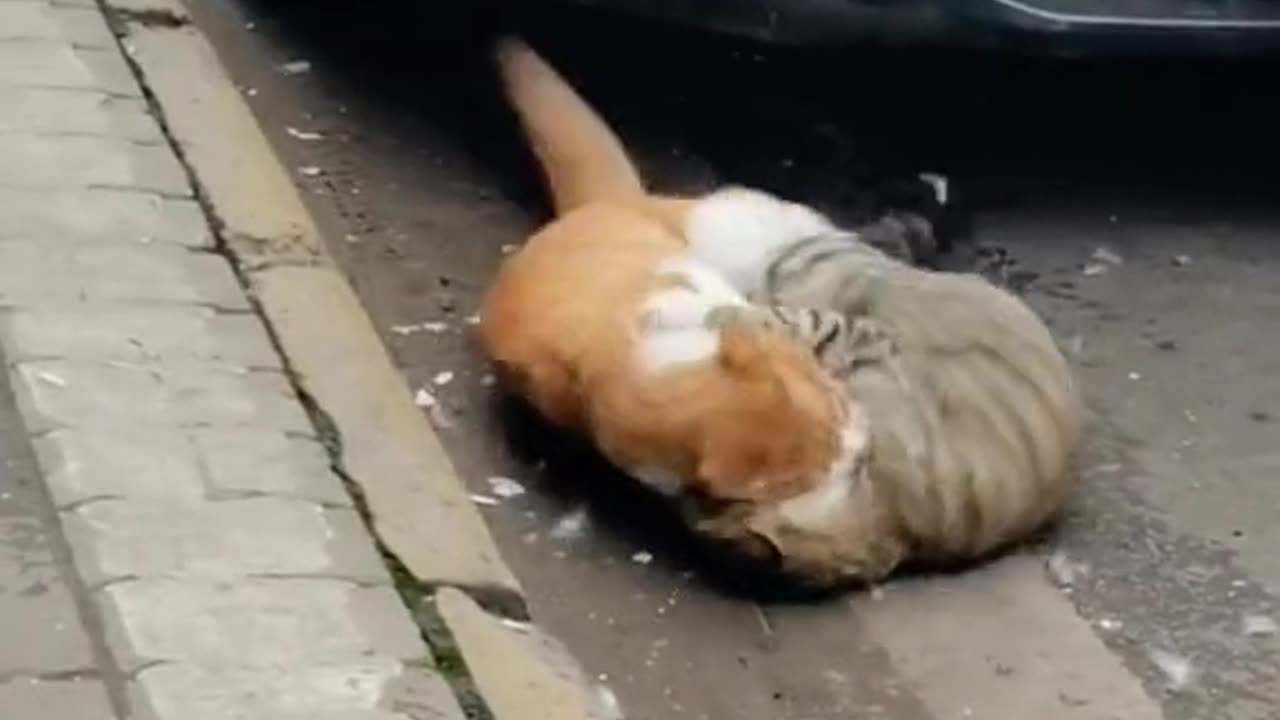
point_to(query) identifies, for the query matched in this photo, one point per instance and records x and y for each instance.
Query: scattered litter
(508, 248)
(430, 326)
(1182, 260)
(310, 171)
(1135, 376)
(486, 380)
(251, 92)
(296, 67)
(1110, 624)
(51, 379)
(439, 417)
(505, 487)
(1093, 269)
(442, 378)
(250, 26)
(473, 319)
(1177, 669)
(479, 499)
(424, 399)
(1063, 571)
(644, 557)
(571, 525)
(1106, 255)
(877, 593)
(939, 183)
(303, 135)
(608, 701)
(1258, 626)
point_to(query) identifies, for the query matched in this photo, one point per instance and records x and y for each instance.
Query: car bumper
(1051, 26)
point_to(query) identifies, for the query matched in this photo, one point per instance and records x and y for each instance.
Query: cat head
(830, 536)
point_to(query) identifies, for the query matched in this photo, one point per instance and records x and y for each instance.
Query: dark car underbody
(1038, 26)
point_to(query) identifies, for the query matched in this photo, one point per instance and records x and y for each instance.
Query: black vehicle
(1087, 27)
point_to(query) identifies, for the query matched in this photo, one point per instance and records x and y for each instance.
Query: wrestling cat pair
(807, 398)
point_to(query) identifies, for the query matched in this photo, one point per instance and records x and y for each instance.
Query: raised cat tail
(582, 160)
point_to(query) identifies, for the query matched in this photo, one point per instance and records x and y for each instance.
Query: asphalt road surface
(1135, 204)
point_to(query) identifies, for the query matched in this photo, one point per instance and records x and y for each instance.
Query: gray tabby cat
(974, 415)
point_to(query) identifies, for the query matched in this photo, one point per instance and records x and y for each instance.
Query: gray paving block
(154, 464)
(240, 462)
(79, 26)
(55, 111)
(259, 623)
(40, 274)
(75, 161)
(39, 623)
(59, 393)
(27, 64)
(227, 540)
(94, 215)
(137, 334)
(371, 689)
(23, 699)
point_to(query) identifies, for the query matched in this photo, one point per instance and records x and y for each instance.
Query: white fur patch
(673, 326)
(817, 508)
(737, 230)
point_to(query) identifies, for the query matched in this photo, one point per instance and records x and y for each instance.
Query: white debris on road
(505, 487)
(303, 135)
(310, 171)
(432, 326)
(644, 557)
(442, 378)
(424, 399)
(1176, 668)
(571, 525)
(1258, 625)
(1063, 571)
(296, 67)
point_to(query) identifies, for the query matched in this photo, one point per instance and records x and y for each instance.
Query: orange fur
(757, 421)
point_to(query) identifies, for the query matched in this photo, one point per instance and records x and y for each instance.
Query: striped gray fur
(973, 410)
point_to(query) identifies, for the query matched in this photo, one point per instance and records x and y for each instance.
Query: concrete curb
(418, 507)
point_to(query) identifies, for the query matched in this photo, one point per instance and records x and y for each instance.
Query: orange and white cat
(601, 322)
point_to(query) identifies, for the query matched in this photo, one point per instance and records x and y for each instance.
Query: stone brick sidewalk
(216, 561)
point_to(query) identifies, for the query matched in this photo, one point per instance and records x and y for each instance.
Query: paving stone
(156, 464)
(59, 393)
(257, 623)
(82, 27)
(43, 274)
(74, 161)
(22, 699)
(53, 111)
(239, 462)
(517, 666)
(39, 623)
(228, 540)
(138, 334)
(359, 690)
(25, 64)
(97, 215)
